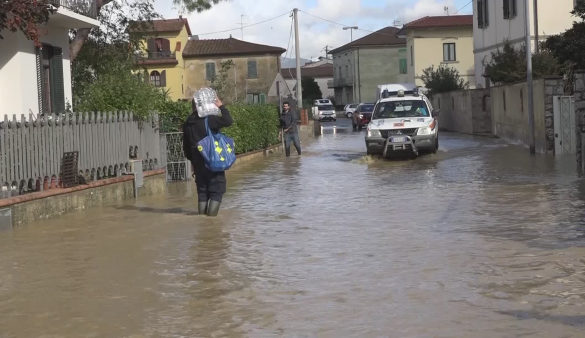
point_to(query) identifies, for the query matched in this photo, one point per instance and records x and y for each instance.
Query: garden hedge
(255, 127)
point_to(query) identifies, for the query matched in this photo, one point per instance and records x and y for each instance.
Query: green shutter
(252, 70)
(262, 98)
(210, 71)
(57, 86)
(403, 66)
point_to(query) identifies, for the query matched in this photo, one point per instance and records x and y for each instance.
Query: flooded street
(478, 240)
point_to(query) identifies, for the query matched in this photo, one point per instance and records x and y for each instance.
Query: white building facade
(499, 21)
(37, 80)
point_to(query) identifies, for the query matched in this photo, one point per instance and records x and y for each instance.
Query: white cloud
(315, 34)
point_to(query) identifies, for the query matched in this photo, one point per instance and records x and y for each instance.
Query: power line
(343, 25)
(246, 26)
(460, 9)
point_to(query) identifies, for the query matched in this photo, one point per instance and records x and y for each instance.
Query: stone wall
(579, 95)
(464, 111)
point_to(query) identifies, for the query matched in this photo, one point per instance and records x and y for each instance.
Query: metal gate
(565, 125)
(178, 167)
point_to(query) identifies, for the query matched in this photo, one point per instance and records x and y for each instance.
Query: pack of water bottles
(205, 102)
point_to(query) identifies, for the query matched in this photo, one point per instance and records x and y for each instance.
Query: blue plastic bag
(218, 150)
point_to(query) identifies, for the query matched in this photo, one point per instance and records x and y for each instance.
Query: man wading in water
(290, 133)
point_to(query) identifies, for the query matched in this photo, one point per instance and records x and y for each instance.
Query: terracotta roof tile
(441, 21)
(224, 47)
(383, 37)
(325, 70)
(160, 26)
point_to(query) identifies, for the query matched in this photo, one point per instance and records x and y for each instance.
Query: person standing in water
(210, 185)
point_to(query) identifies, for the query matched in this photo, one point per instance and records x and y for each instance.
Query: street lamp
(351, 28)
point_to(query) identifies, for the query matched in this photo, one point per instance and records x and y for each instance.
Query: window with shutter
(403, 66)
(482, 14)
(510, 10)
(163, 78)
(252, 69)
(449, 52)
(210, 71)
(56, 83)
(155, 78)
(40, 80)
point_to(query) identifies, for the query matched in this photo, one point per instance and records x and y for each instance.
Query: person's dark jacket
(288, 120)
(194, 131)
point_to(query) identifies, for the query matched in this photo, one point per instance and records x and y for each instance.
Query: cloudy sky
(320, 21)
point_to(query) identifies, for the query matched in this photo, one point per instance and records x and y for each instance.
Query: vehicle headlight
(374, 133)
(361, 116)
(428, 130)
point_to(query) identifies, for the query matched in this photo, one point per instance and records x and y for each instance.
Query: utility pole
(529, 80)
(242, 25)
(351, 28)
(298, 56)
(536, 39)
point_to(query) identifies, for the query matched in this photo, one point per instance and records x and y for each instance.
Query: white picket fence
(31, 150)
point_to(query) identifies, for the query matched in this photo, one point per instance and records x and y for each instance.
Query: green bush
(255, 126)
(173, 115)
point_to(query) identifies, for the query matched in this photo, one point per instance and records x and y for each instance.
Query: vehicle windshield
(326, 107)
(397, 109)
(366, 108)
(323, 101)
(353, 106)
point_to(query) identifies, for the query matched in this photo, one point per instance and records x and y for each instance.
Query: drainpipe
(359, 77)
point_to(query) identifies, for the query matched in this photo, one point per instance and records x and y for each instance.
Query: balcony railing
(161, 55)
(84, 7)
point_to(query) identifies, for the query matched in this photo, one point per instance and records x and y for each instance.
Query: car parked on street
(362, 115)
(403, 122)
(320, 102)
(324, 113)
(349, 109)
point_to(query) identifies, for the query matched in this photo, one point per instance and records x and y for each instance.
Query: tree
(569, 47)
(220, 83)
(81, 35)
(24, 15)
(443, 79)
(508, 65)
(311, 90)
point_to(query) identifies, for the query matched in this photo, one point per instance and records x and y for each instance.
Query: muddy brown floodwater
(479, 240)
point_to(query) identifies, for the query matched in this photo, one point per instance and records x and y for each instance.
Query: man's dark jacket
(289, 120)
(194, 131)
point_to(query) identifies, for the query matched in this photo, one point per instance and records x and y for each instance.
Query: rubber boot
(213, 208)
(202, 208)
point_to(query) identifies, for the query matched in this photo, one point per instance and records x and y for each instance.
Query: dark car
(362, 115)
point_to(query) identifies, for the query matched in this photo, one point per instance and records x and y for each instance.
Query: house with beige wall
(37, 79)
(499, 21)
(440, 40)
(161, 54)
(363, 64)
(254, 67)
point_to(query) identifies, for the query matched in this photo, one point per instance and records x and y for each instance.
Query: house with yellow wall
(161, 55)
(253, 67)
(440, 40)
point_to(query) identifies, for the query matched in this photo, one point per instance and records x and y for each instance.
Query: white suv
(403, 123)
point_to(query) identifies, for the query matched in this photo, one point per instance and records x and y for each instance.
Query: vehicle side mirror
(435, 112)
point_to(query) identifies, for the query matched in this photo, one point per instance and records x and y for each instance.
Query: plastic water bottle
(205, 102)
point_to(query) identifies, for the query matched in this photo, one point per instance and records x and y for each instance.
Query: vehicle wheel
(369, 151)
(436, 147)
(349, 115)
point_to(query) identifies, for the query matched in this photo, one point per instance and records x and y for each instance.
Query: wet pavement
(478, 240)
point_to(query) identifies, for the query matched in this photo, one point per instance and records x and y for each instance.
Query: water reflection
(478, 240)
